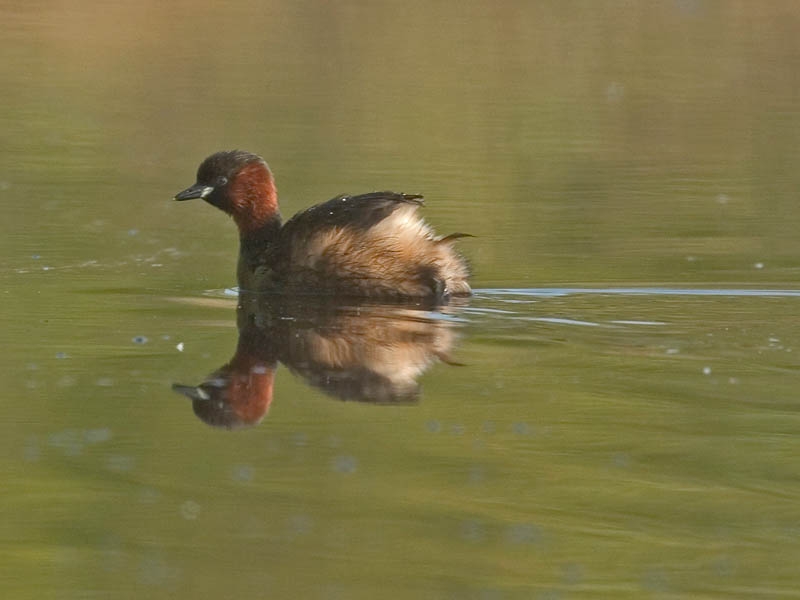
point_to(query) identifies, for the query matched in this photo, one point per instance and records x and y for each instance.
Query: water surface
(614, 413)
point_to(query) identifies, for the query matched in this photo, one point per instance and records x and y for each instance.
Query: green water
(616, 413)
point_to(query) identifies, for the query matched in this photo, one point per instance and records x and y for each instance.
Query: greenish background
(591, 444)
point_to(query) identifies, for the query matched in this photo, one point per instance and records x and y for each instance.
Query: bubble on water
(148, 495)
(524, 533)
(69, 441)
(36, 256)
(104, 382)
(139, 339)
(433, 426)
(67, 381)
(476, 474)
(113, 553)
(97, 436)
(133, 232)
(615, 92)
(299, 525)
(120, 463)
(655, 580)
(672, 351)
(572, 573)
(190, 510)
(179, 346)
(345, 464)
(473, 531)
(61, 355)
(621, 460)
(706, 370)
(722, 198)
(31, 451)
(723, 566)
(243, 473)
(490, 594)
(759, 265)
(521, 429)
(154, 571)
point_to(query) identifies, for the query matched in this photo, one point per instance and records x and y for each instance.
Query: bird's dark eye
(221, 180)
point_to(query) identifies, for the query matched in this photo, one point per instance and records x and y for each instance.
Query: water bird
(372, 245)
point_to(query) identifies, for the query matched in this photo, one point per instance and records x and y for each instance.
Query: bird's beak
(198, 190)
(191, 392)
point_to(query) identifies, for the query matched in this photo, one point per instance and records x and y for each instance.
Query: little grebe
(373, 245)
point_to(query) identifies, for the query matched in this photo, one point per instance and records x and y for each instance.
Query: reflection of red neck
(253, 197)
(250, 387)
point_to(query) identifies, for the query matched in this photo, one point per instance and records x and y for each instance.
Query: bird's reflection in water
(362, 352)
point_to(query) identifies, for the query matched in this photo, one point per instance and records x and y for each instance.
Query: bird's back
(372, 245)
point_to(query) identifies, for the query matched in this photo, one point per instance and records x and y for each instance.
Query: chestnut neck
(253, 199)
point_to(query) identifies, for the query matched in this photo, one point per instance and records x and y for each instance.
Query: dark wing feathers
(360, 212)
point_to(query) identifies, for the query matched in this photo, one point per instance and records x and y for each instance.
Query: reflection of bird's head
(232, 397)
